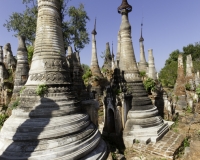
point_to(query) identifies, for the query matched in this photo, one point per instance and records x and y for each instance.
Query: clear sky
(168, 25)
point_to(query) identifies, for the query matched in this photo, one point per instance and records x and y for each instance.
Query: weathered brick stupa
(151, 69)
(179, 88)
(107, 65)
(48, 124)
(22, 68)
(143, 122)
(142, 65)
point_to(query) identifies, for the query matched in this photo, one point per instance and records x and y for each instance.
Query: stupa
(94, 60)
(107, 65)
(151, 69)
(143, 122)
(142, 65)
(48, 123)
(22, 68)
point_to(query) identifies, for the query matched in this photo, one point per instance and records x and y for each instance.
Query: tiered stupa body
(94, 61)
(142, 65)
(48, 123)
(143, 122)
(22, 68)
(151, 69)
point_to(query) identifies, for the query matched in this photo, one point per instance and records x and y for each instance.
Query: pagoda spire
(94, 60)
(94, 30)
(142, 65)
(141, 38)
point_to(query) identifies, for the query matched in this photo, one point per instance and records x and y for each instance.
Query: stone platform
(166, 147)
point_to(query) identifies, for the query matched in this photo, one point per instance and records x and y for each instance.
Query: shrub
(41, 89)
(198, 90)
(149, 85)
(187, 86)
(3, 118)
(15, 104)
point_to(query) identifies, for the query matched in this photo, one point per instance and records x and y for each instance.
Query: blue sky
(168, 25)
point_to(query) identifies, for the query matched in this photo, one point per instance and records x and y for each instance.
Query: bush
(198, 90)
(41, 89)
(3, 118)
(15, 104)
(187, 86)
(149, 85)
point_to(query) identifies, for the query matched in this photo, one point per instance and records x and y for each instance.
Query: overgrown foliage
(15, 104)
(85, 68)
(41, 89)
(3, 118)
(168, 73)
(86, 76)
(30, 53)
(149, 84)
(198, 90)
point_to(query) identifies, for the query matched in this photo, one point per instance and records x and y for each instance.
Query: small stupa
(151, 69)
(142, 65)
(22, 68)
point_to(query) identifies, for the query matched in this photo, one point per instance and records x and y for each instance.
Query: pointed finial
(94, 30)
(141, 38)
(124, 5)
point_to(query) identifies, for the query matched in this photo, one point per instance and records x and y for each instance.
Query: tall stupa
(142, 65)
(143, 122)
(94, 60)
(48, 123)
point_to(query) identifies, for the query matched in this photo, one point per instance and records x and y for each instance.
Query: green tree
(149, 85)
(85, 68)
(30, 53)
(168, 74)
(74, 22)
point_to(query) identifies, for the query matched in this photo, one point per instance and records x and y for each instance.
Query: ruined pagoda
(142, 65)
(107, 65)
(151, 69)
(94, 61)
(48, 123)
(22, 68)
(143, 122)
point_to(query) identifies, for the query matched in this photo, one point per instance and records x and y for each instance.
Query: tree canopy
(168, 73)
(74, 22)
